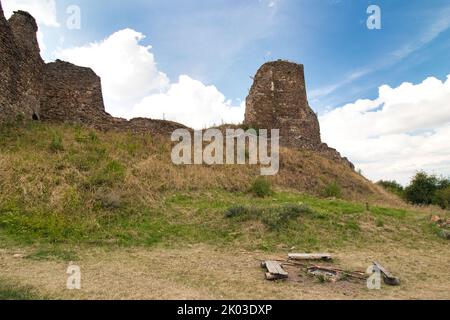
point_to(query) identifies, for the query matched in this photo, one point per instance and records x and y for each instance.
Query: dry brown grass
(32, 172)
(203, 272)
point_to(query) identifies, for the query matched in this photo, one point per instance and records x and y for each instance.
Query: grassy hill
(68, 190)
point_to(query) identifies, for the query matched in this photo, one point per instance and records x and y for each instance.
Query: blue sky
(383, 96)
(223, 42)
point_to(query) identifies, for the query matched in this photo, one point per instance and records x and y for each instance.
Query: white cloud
(404, 130)
(192, 103)
(128, 69)
(44, 11)
(134, 87)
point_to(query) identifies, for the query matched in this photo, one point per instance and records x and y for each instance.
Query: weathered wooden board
(274, 268)
(310, 256)
(388, 277)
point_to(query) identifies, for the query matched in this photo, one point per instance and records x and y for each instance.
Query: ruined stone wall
(9, 72)
(71, 94)
(63, 92)
(278, 100)
(31, 65)
(57, 91)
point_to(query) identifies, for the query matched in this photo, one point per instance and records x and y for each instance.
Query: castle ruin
(278, 100)
(59, 91)
(31, 89)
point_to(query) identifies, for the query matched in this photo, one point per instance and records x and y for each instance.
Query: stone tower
(278, 100)
(9, 71)
(20, 67)
(24, 29)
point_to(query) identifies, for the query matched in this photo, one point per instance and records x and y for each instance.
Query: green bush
(261, 187)
(422, 189)
(333, 190)
(442, 198)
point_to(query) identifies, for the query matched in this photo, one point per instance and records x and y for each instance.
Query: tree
(422, 189)
(442, 198)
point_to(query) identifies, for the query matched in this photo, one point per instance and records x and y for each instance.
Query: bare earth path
(203, 272)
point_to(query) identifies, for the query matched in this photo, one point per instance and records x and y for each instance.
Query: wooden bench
(275, 270)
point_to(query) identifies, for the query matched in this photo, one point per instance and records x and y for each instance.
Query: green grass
(80, 192)
(11, 291)
(261, 187)
(53, 253)
(333, 190)
(220, 218)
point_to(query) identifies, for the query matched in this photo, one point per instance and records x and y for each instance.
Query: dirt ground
(203, 272)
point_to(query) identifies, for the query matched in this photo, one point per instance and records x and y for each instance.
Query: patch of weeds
(333, 190)
(113, 172)
(90, 137)
(389, 212)
(236, 211)
(31, 226)
(274, 217)
(109, 199)
(11, 291)
(56, 145)
(53, 254)
(261, 188)
(353, 226)
(379, 223)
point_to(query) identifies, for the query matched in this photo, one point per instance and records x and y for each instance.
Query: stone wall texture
(24, 28)
(278, 100)
(72, 94)
(19, 74)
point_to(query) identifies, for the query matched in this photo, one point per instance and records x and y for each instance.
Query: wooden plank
(310, 256)
(276, 269)
(271, 277)
(388, 277)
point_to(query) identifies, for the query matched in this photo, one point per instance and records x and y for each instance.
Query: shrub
(261, 187)
(236, 211)
(280, 216)
(274, 217)
(422, 189)
(442, 198)
(56, 144)
(333, 190)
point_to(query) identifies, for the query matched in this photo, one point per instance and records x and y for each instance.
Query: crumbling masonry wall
(20, 67)
(57, 91)
(71, 94)
(63, 92)
(278, 100)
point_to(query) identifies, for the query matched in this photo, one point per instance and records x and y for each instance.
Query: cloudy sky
(383, 96)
